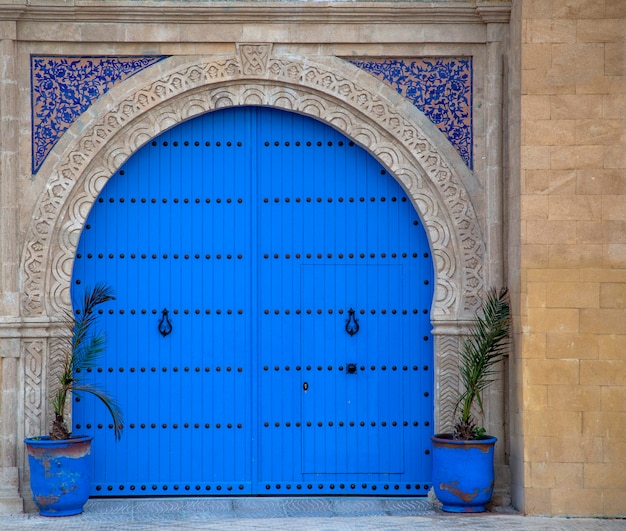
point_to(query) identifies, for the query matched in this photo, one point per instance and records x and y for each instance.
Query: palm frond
(87, 353)
(484, 348)
(83, 348)
(108, 401)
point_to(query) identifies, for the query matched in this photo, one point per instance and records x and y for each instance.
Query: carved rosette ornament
(327, 88)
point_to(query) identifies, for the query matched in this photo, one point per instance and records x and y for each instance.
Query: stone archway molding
(326, 88)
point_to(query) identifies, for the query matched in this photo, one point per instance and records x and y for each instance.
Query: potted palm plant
(463, 471)
(59, 465)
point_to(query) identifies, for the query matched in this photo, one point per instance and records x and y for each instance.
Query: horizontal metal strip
(344, 255)
(175, 200)
(229, 256)
(144, 488)
(175, 312)
(340, 311)
(307, 143)
(350, 424)
(266, 368)
(266, 143)
(360, 199)
(197, 143)
(340, 368)
(239, 200)
(165, 369)
(154, 256)
(165, 426)
(266, 311)
(352, 487)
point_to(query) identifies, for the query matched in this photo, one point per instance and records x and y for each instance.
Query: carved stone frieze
(448, 381)
(33, 362)
(57, 348)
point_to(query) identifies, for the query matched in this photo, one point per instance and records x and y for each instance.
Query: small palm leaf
(83, 348)
(109, 403)
(485, 347)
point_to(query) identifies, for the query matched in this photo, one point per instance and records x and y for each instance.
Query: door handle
(351, 368)
(305, 386)
(352, 323)
(165, 325)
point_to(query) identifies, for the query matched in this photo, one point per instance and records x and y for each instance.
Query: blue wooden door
(296, 279)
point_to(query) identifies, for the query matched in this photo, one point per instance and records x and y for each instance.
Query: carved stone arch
(326, 88)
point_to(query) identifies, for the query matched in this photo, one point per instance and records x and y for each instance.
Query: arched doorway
(435, 179)
(260, 231)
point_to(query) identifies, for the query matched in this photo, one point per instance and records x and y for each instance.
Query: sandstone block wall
(572, 234)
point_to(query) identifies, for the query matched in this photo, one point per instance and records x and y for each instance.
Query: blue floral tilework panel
(64, 87)
(440, 87)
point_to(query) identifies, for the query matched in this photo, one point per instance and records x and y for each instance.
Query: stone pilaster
(494, 264)
(10, 501)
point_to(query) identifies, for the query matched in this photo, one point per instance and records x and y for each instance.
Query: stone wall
(569, 414)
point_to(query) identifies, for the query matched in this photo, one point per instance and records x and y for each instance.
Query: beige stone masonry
(613, 295)
(578, 207)
(576, 449)
(561, 346)
(546, 372)
(550, 182)
(573, 210)
(576, 107)
(576, 157)
(610, 182)
(572, 295)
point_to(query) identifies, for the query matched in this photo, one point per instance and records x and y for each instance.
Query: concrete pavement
(278, 514)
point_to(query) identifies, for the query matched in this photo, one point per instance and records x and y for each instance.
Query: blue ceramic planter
(463, 473)
(59, 474)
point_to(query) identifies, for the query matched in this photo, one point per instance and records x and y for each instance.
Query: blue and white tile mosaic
(64, 87)
(440, 87)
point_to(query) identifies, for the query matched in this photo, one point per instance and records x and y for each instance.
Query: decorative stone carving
(254, 58)
(448, 380)
(33, 356)
(56, 353)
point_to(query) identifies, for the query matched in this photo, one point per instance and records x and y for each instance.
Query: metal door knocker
(165, 325)
(352, 324)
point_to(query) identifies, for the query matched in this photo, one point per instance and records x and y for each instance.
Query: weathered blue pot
(463, 473)
(59, 474)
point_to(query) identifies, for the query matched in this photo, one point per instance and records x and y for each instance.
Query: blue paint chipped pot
(463, 473)
(59, 474)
